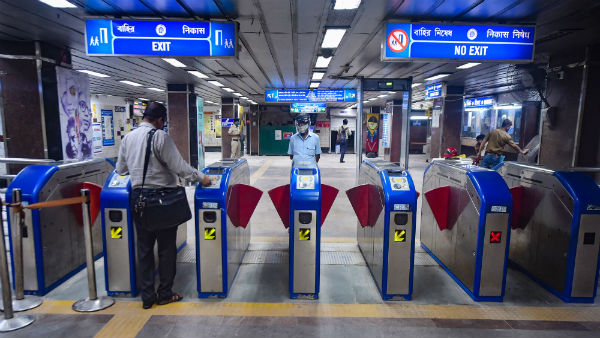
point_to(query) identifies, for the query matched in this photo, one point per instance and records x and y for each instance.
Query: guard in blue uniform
(305, 146)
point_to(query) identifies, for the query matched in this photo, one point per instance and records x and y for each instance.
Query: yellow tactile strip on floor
(500, 312)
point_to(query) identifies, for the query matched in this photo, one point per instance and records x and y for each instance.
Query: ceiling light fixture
(322, 62)
(244, 98)
(237, 94)
(437, 76)
(228, 89)
(156, 89)
(346, 4)
(215, 83)
(58, 3)
(92, 73)
(333, 37)
(468, 65)
(131, 83)
(315, 84)
(419, 117)
(318, 75)
(142, 98)
(382, 95)
(198, 74)
(174, 62)
(416, 84)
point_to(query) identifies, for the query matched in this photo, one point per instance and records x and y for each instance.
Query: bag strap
(148, 151)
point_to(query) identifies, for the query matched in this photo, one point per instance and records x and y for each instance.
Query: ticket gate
(223, 212)
(303, 206)
(555, 229)
(465, 226)
(386, 239)
(53, 243)
(119, 238)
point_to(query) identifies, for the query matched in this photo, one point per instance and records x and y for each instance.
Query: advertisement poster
(200, 119)
(277, 135)
(287, 135)
(385, 138)
(108, 129)
(372, 142)
(75, 114)
(435, 118)
(97, 137)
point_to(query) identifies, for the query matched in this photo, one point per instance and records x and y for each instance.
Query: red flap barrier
(438, 202)
(517, 195)
(328, 194)
(280, 197)
(95, 191)
(367, 201)
(242, 200)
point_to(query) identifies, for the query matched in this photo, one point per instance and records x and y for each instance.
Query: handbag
(162, 208)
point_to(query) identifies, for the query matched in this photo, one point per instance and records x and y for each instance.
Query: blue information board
(308, 107)
(120, 37)
(405, 42)
(479, 102)
(433, 91)
(305, 95)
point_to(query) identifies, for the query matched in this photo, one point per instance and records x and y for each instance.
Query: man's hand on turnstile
(206, 181)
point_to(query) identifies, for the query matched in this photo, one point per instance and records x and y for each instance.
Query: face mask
(302, 128)
(511, 130)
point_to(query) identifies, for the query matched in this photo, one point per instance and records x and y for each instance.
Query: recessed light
(156, 89)
(322, 62)
(131, 83)
(244, 98)
(237, 94)
(346, 4)
(58, 3)
(142, 98)
(416, 84)
(314, 84)
(215, 83)
(92, 73)
(333, 37)
(438, 76)
(228, 89)
(318, 75)
(198, 74)
(468, 65)
(382, 95)
(174, 62)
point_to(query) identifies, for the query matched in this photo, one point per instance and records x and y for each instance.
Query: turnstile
(119, 238)
(465, 218)
(53, 243)
(303, 206)
(386, 239)
(555, 229)
(223, 212)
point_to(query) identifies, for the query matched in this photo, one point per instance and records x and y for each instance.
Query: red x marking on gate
(495, 236)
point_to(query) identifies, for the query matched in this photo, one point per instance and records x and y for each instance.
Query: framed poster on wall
(108, 129)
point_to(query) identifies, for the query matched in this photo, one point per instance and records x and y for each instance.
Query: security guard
(305, 146)
(234, 131)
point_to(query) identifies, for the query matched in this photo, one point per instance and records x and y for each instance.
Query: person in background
(476, 156)
(342, 138)
(305, 146)
(234, 131)
(496, 140)
(164, 167)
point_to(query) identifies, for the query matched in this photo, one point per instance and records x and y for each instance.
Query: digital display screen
(385, 85)
(214, 171)
(395, 173)
(305, 172)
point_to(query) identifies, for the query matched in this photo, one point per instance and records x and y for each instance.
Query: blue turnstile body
(119, 237)
(223, 212)
(555, 236)
(53, 244)
(386, 204)
(465, 226)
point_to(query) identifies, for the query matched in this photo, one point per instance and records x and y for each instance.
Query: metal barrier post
(20, 302)
(92, 303)
(10, 322)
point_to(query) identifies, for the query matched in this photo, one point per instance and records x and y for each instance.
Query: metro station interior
(409, 233)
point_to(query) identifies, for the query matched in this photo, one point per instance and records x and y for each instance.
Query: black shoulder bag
(162, 208)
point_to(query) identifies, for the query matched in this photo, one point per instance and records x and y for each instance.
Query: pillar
(29, 103)
(253, 116)
(393, 153)
(229, 110)
(182, 120)
(446, 121)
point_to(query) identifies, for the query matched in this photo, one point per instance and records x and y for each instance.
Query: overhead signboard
(434, 90)
(404, 42)
(308, 107)
(479, 102)
(306, 95)
(148, 38)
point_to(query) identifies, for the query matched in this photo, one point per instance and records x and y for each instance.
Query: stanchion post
(10, 322)
(20, 302)
(92, 303)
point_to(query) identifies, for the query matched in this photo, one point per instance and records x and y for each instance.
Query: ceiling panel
(131, 7)
(167, 7)
(202, 8)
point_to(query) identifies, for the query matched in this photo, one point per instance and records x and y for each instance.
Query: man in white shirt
(164, 168)
(305, 146)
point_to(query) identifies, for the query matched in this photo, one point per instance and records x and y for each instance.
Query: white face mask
(302, 128)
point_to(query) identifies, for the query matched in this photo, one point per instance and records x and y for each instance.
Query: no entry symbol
(397, 40)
